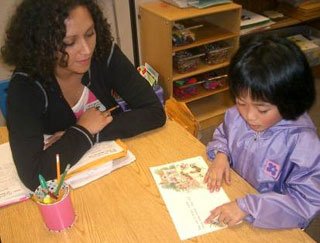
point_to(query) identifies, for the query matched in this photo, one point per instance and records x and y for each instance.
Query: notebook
(101, 159)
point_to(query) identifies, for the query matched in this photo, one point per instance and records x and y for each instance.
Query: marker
(43, 183)
(56, 193)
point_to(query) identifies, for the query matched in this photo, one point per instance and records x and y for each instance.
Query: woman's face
(80, 42)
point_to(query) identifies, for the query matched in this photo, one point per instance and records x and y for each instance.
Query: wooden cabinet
(221, 23)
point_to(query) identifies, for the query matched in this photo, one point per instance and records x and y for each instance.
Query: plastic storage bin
(185, 88)
(186, 61)
(216, 52)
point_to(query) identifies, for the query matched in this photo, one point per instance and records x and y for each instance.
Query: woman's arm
(146, 110)
(25, 121)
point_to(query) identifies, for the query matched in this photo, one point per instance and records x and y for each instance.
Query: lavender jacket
(282, 163)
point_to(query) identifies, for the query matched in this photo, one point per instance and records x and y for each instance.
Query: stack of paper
(100, 160)
(178, 3)
(11, 188)
(304, 43)
(298, 3)
(207, 3)
(251, 22)
(304, 10)
(310, 48)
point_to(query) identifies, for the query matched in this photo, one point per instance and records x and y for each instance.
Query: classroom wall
(6, 9)
(116, 11)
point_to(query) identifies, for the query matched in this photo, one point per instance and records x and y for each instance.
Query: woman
(66, 70)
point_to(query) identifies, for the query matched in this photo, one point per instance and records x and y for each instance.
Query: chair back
(3, 97)
(179, 112)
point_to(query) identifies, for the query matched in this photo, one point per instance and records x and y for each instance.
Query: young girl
(268, 138)
(66, 69)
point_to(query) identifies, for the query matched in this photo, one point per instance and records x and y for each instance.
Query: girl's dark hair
(274, 70)
(36, 31)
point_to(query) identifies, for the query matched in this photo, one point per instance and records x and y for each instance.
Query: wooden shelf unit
(221, 23)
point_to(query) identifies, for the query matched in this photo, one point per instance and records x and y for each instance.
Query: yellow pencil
(58, 167)
(112, 109)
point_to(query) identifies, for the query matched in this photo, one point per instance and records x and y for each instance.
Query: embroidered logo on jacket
(272, 169)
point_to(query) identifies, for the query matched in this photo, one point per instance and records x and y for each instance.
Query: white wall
(118, 15)
(6, 9)
(137, 2)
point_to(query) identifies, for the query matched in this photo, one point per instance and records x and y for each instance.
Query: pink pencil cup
(58, 215)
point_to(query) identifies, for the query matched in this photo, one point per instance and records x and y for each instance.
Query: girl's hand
(94, 120)
(229, 214)
(51, 140)
(218, 170)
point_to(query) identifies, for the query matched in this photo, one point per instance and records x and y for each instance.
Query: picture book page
(186, 196)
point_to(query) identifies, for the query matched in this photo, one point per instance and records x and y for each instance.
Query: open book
(186, 196)
(100, 160)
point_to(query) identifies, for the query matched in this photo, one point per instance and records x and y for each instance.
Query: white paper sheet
(98, 151)
(187, 198)
(11, 188)
(92, 174)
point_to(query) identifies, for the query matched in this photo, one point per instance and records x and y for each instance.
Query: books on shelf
(101, 159)
(186, 196)
(305, 44)
(310, 47)
(301, 9)
(251, 22)
(196, 3)
(299, 3)
(178, 3)
(207, 3)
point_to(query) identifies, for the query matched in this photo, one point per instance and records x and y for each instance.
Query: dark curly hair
(274, 70)
(36, 31)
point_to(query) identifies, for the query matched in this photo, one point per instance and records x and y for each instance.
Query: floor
(314, 228)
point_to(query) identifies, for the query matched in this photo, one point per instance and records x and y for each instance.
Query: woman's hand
(229, 214)
(218, 170)
(52, 139)
(94, 120)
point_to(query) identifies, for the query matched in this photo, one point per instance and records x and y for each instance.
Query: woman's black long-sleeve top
(35, 109)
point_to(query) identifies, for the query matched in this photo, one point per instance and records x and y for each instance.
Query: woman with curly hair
(66, 70)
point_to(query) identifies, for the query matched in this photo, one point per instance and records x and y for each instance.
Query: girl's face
(259, 115)
(80, 41)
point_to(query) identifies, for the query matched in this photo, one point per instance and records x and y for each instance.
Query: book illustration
(186, 196)
(182, 177)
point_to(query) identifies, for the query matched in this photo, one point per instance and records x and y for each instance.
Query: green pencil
(56, 192)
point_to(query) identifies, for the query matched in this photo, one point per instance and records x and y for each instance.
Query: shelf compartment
(210, 110)
(202, 93)
(206, 35)
(202, 68)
